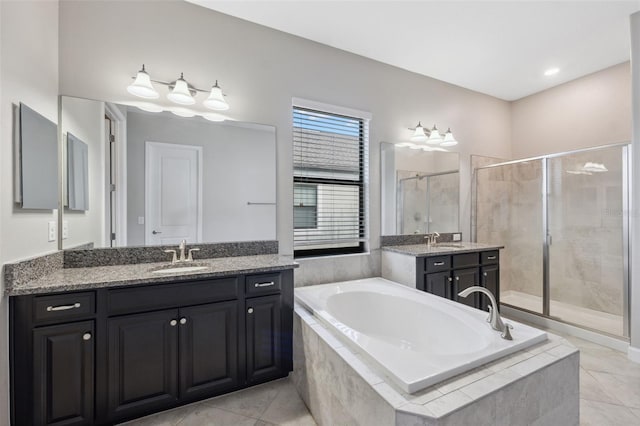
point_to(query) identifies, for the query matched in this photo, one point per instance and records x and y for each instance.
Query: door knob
(154, 232)
(250, 310)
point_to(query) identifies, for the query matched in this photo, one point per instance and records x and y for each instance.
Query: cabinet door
(465, 278)
(490, 279)
(439, 284)
(63, 362)
(208, 349)
(142, 362)
(264, 334)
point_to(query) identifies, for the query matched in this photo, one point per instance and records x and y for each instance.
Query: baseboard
(634, 354)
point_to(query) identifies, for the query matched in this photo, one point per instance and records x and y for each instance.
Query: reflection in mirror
(77, 173)
(166, 178)
(420, 191)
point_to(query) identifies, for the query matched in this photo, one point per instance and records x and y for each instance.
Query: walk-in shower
(427, 202)
(563, 220)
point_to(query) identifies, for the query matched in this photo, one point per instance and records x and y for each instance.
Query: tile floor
(609, 396)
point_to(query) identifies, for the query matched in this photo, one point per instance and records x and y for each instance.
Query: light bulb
(216, 100)
(142, 86)
(181, 93)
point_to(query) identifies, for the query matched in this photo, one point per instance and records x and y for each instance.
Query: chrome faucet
(432, 238)
(494, 316)
(182, 247)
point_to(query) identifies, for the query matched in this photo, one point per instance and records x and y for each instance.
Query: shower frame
(545, 236)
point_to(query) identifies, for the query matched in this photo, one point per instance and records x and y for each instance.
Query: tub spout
(494, 316)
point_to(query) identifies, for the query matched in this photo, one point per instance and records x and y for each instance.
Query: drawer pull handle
(250, 310)
(491, 258)
(438, 263)
(86, 336)
(267, 284)
(62, 307)
(183, 321)
(173, 323)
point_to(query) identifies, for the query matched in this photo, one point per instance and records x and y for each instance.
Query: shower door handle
(549, 239)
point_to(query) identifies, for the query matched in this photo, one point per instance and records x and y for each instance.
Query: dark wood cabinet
(208, 349)
(440, 284)
(142, 362)
(264, 332)
(463, 279)
(113, 354)
(63, 371)
(447, 275)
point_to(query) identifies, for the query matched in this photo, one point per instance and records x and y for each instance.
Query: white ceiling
(500, 48)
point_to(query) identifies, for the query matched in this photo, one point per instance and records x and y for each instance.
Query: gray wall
(29, 74)
(239, 165)
(261, 70)
(635, 212)
(590, 111)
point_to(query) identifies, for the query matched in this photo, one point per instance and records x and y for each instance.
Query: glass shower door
(586, 244)
(509, 212)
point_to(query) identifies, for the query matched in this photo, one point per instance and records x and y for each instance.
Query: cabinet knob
(250, 310)
(457, 278)
(484, 273)
(173, 323)
(183, 321)
(450, 279)
(86, 336)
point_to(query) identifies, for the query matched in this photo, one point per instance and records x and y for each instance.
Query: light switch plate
(65, 229)
(457, 236)
(140, 220)
(52, 230)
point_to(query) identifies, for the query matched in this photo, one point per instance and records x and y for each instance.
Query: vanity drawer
(465, 260)
(490, 257)
(162, 296)
(257, 285)
(64, 307)
(438, 263)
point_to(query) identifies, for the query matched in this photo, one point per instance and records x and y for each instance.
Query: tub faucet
(494, 316)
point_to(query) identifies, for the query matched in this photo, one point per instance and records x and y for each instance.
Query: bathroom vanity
(101, 345)
(445, 269)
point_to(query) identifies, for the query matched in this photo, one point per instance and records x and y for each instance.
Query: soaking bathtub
(417, 339)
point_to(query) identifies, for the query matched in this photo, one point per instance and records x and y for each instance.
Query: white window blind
(329, 169)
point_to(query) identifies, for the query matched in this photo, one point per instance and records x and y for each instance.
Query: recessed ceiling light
(551, 71)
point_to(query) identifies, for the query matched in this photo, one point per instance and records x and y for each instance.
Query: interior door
(173, 193)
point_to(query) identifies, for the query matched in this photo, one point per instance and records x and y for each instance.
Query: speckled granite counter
(422, 250)
(72, 279)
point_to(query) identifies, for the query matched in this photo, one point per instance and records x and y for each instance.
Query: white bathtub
(416, 338)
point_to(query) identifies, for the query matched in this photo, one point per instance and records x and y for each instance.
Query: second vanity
(445, 269)
(105, 344)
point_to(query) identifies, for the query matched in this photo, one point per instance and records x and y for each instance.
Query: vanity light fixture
(149, 107)
(433, 139)
(181, 92)
(142, 86)
(216, 101)
(183, 112)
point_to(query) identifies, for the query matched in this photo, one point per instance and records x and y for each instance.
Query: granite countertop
(72, 279)
(422, 250)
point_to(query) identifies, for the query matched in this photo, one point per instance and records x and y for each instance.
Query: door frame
(147, 207)
(120, 133)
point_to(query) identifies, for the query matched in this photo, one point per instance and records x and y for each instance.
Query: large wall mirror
(420, 190)
(134, 178)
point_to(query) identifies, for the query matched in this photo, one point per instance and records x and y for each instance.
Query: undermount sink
(447, 245)
(179, 269)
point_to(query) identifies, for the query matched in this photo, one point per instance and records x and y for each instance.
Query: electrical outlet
(140, 220)
(65, 229)
(457, 236)
(52, 230)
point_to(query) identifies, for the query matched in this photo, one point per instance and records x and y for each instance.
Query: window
(329, 156)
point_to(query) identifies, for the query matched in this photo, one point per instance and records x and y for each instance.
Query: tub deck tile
(448, 403)
(490, 384)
